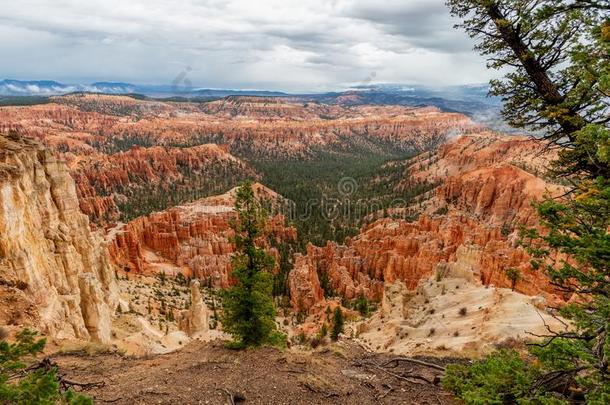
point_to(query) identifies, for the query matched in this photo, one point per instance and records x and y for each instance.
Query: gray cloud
(286, 45)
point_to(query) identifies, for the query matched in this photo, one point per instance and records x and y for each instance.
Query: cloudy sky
(291, 45)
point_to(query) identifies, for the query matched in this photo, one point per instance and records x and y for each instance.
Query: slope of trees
(333, 193)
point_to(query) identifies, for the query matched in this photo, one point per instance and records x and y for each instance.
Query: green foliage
(323, 331)
(337, 324)
(23, 100)
(325, 284)
(280, 280)
(556, 56)
(559, 84)
(181, 280)
(22, 384)
(502, 378)
(514, 275)
(248, 310)
(321, 212)
(362, 305)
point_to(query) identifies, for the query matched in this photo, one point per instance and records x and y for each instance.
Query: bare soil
(209, 373)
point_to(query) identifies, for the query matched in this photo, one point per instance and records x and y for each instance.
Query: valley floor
(208, 373)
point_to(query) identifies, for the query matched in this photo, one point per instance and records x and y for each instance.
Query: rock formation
(55, 274)
(470, 222)
(120, 149)
(193, 239)
(140, 175)
(305, 290)
(195, 319)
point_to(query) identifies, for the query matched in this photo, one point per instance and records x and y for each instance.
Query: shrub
(502, 378)
(362, 305)
(323, 331)
(22, 384)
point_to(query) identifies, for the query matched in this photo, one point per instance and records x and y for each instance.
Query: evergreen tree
(22, 382)
(337, 324)
(248, 311)
(558, 57)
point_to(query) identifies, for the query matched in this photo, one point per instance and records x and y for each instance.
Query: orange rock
(97, 135)
(194, 238)
(486, 196)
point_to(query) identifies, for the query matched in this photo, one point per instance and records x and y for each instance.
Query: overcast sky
(312, 45)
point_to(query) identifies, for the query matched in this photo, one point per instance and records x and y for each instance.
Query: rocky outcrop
(196, 319)
(470, 222)
(95, 307)
(55, 274)
(304, 285)
(194, 239)
(141, 174)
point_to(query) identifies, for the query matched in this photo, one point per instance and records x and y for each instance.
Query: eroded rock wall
(55, 273)
(470, 221)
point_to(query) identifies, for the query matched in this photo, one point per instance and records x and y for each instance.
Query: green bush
(24, 382)
(501, 378)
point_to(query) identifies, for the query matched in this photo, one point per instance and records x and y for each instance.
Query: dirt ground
(209, 373)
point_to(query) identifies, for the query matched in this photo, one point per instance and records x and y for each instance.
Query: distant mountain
(225, 93)
(472, 100)
(50, 87)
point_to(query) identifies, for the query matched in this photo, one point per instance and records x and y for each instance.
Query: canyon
(134, 198)
(466, 236)
(473, 216)
(127, 155)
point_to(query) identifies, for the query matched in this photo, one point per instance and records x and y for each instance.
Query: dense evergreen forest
(334, 194)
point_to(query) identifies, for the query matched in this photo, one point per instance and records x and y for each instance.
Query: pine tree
(337, 324)
(22, 381)
(558, 56)
(248, 310)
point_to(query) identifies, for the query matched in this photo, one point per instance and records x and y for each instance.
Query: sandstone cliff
(55, 274)
(142, 179)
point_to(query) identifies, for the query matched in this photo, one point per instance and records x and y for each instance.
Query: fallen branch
(233, 396)
(390, 389)
(317, 391)
(66, 384)
(47, 365)
(408, 378)
(414, 361)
